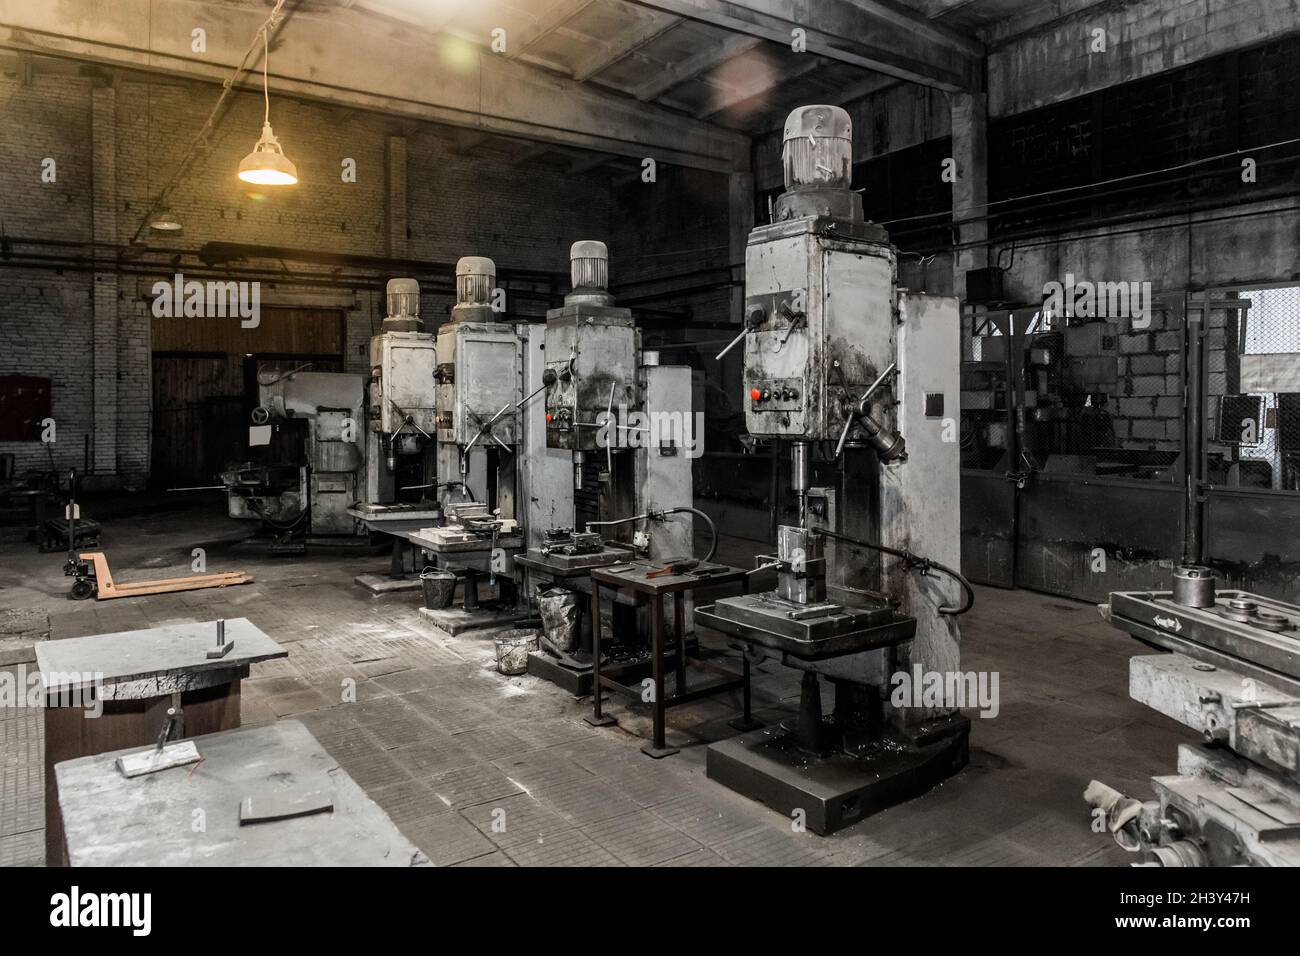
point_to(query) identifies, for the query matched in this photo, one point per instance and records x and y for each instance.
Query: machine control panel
(559, 418)
(776, 395)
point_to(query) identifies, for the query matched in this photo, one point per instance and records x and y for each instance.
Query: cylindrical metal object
(818, 147)
(1193, 586)
(1181, 853)
(589, 265)
(403, 298)
(799, 466)
(1194, 524)
(476, 277)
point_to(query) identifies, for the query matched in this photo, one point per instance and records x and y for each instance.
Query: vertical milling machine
(626, 422)
(479, 381)
(606, 403)
(400, 420)
(399, 431)
(838, 360)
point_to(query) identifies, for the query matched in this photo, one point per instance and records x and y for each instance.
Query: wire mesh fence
(1089, 394)
(1253, 382)
(1106, 395)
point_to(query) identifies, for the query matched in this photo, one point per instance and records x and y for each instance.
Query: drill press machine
(836, 355)
(625, 421)
(478, 397)
(399, 433)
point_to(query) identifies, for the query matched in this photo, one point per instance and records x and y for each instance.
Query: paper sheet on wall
(1277, 372)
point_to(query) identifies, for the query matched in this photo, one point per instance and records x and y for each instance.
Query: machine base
(837, 790)
(650, 750)
(577, 679)
(457, 620)
(383, 584)
(574, 680)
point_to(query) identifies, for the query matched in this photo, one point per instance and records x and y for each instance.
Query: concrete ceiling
(733, 71)
(689, 80)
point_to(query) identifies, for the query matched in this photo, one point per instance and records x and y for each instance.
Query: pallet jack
(93, 578)
(74, 532)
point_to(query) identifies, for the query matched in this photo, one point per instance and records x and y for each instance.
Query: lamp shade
(267, 165)
(164, 221)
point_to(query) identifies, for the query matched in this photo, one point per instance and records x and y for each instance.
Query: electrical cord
(911, 561)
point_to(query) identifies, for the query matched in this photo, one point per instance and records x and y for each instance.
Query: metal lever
(754, 317)
(541, 388)
(609, 446)
(407, 419)
(794, 318)
(734, 342)
(861, 407)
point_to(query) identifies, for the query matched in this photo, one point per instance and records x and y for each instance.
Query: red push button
(755, 394)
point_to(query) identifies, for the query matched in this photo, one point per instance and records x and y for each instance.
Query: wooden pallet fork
(108, 589)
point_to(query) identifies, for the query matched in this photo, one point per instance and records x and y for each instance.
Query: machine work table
(109, 691)
(269, 795)
(648, 583)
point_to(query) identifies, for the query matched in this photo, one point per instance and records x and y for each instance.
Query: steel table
(632, 582)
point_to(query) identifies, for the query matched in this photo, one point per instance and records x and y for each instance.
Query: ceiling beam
(872, 34)
(588, 164)
(551, 19)
(330, 55)
(624, 44)
(691, 67)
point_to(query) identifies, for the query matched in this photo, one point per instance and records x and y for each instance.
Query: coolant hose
(713, 530)
(912, 560)
(660, 515)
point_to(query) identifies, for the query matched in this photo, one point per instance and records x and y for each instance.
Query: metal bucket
(438, 586)
(513, 648)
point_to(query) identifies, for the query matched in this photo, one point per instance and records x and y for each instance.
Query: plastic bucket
(513, 648)
(438, 586)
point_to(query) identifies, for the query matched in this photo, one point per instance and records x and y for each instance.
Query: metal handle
(734, 342)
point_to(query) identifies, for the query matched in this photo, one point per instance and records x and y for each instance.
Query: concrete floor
(440, 740)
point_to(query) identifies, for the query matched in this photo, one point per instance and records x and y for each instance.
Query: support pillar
(970, 192)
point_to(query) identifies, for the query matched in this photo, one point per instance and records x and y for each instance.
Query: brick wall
(89, 331)
(46, 317)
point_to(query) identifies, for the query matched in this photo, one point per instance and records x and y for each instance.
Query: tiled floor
(480, 769)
